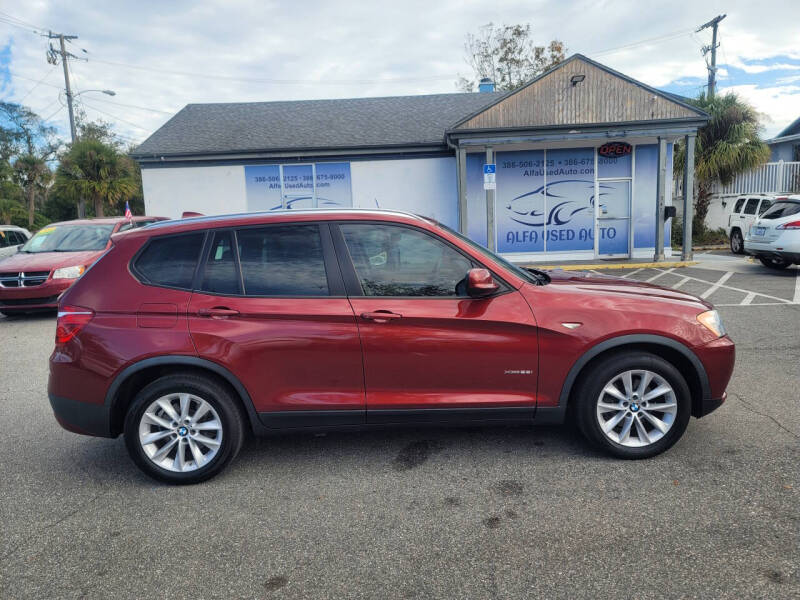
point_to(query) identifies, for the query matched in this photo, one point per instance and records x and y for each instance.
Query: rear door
(269, 304)
(427, 345)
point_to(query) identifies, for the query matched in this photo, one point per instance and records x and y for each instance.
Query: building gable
(602, 97)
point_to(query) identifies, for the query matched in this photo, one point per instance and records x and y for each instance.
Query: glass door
(614, 218)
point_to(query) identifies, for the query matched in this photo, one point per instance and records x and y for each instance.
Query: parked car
(746, 210)
(775, 237)
(11, 238)
(51, 261)
(187, 334)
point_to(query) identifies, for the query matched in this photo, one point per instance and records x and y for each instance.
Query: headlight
(69, 272)
(712, 321)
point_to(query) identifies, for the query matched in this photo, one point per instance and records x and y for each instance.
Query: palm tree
(92, 169)
(728, 145)
(32, 174)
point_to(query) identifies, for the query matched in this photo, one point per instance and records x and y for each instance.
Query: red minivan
(187, 334)
(51, 261)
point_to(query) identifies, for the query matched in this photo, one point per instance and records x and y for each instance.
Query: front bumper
(37, 297)
(82, 417)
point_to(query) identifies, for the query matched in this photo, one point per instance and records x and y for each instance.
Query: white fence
(773, 178)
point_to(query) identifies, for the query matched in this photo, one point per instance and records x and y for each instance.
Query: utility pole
(712, 68)
(51, 58)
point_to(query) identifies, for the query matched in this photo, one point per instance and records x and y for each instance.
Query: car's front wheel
(774, 262)
(633, 405)
(183, 429)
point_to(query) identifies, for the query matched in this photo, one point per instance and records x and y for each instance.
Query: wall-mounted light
(576, 79)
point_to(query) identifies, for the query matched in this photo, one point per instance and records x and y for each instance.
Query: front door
(614, 218)
(427, 345)
(271, 308)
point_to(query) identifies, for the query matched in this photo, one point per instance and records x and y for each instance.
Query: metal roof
(309, 124)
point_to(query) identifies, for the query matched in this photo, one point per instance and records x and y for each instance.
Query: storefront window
(570, 199)
(298, 188)
(520, 213)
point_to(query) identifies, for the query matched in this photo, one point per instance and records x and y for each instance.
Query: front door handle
(217, 312)
(381, 316)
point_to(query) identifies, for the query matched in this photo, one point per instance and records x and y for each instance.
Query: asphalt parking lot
(517, 512)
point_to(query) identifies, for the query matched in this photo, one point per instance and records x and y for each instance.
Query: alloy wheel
(636, 408)
(180, 432)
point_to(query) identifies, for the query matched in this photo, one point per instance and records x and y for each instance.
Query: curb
(594, 267)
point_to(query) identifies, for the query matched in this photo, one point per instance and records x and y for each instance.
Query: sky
(159, 56)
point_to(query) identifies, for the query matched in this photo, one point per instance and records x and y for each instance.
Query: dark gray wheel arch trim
(557, 414)
(189, 361)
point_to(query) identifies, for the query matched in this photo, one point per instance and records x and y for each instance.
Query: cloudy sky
(159, 56)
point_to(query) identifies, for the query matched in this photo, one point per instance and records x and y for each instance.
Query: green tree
(508, 56)
(92, 169)
(27, 144)
(727, 146)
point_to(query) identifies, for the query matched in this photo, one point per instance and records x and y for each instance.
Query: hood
(606, 284)
(47, 261)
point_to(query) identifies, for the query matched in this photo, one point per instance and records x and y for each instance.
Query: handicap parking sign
(489, 171)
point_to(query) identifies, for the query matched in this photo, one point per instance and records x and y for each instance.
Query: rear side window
(739, 204)
(220, 275)
(5, 239)
(282, 260)
(765, 204)
(170, 261)
(781, 209)
(750, 208)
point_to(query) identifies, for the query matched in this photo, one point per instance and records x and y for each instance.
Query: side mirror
(480, 283)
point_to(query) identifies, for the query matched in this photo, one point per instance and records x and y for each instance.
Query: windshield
(531, 275)
(69, 238)
(782, 208)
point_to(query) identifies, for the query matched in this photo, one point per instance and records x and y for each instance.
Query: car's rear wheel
(633, 405)
(737, 243)
(183, 429)
(774, 262)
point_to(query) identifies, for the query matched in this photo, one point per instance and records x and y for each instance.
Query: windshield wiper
(542, 277)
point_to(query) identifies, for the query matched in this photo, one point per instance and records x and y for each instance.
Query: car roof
(105, 220)
(14, 227)
(283, 216)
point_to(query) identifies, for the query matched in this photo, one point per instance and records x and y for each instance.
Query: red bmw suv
(187, 334)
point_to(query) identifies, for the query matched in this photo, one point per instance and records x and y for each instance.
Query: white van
(11, 238)
(746, 209)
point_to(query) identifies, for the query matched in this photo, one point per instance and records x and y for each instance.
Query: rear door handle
(217, 311)
(381, 316)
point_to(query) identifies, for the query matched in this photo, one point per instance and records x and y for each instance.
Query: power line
(657, 39)
(84, 103)
(37, 84)
(32, 79)
(276, 81)
(155, 110)
(6, 16)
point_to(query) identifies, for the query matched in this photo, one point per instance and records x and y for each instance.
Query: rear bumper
(36, 297)
(81, 417)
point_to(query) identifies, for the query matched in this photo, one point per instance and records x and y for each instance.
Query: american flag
(128, 214)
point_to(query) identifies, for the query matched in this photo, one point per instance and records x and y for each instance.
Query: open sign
(614, 149)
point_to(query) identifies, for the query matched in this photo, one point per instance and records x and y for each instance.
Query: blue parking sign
(489, 169)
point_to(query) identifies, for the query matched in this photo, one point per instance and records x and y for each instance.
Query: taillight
(790, 225)
(71, 319)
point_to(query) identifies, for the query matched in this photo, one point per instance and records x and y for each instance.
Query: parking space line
(680, 283)
(749, 298)
(797, 287)
(657, 275)
(717, 285)
(730, 287)
(632, 273)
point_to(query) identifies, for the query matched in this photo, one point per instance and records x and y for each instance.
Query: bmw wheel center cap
(182, 431)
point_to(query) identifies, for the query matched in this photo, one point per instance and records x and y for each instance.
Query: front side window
(69, 238)
(399, 261)
(5, 239)
(750, 207)
(282, 260)
(219, 273)
(170, 261)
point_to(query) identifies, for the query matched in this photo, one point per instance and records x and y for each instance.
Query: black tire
(774, 263)
(592, 382)
(737, 243)
(233, 430)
